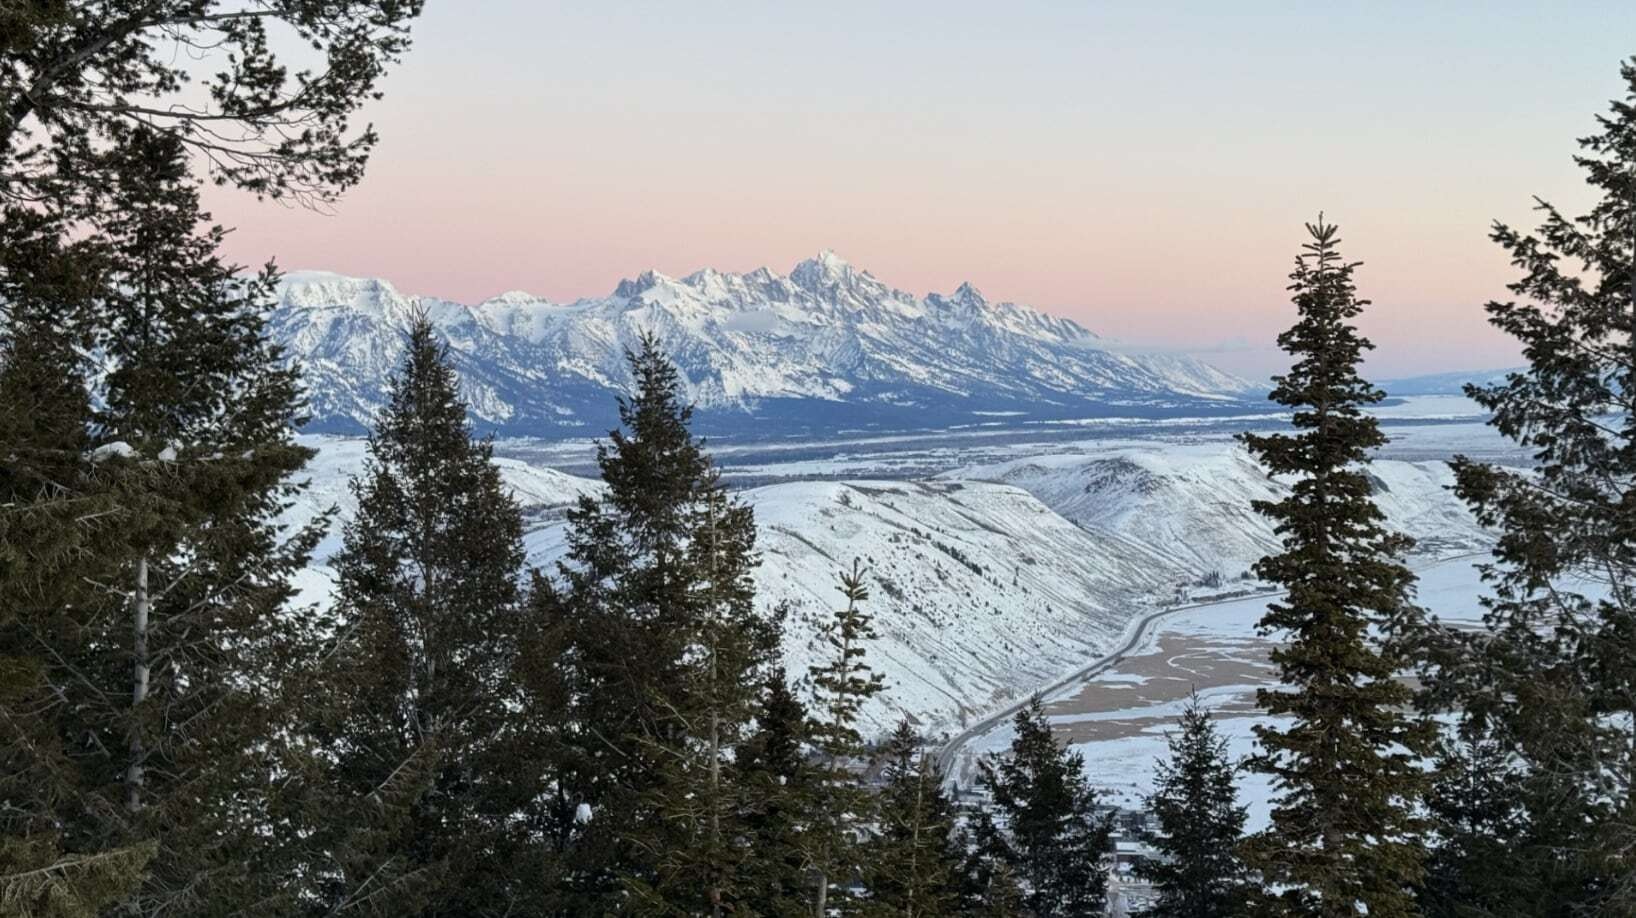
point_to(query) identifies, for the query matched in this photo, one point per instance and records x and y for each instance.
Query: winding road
(950, 750)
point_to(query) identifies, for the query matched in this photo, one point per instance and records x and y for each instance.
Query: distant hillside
(1445, 383)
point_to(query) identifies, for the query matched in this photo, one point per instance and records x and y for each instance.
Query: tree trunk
(715, 783)
(140, 603)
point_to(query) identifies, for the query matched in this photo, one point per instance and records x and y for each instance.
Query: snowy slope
(983, 590)
(542, 492)
(826, 347)
(980, 592)
(1192, 502)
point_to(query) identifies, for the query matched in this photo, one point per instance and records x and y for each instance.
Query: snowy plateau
(826, 347)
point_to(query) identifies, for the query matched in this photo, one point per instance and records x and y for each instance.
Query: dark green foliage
(1200, 826)
(841, 685)
(664, 656)
(53, 516)
(1048, 835)
(912, 863)
(49, 512)
(1553, 680)
(1001, 896)
(80, 77)
(1477, 866)
(421, 673)
(1345, 770)
(45, 883)
(151, 664)
(782, 783)
(150, 601)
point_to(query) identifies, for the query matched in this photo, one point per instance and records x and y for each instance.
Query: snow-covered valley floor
(999, 566)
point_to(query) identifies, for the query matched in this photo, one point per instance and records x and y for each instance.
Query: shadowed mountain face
(824, 349)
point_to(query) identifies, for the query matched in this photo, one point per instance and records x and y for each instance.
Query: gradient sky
(1142, 168)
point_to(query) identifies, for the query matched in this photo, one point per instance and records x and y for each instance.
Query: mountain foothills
(990, 580)
(826, 347)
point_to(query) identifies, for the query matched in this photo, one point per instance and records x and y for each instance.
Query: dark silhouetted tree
(912, 863)
(419, 680)
(1553, 678)
(1198, 873)
(1345, 769)
(1044, 830)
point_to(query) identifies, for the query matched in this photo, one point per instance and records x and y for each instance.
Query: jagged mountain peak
(968, 295)
(828, 271)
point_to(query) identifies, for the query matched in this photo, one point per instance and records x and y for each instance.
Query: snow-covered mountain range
(826, 347)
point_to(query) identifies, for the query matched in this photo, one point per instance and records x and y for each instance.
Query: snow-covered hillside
(993, 581)
(980, 592)
(542, 492)
(826, 347)
(1192, 501)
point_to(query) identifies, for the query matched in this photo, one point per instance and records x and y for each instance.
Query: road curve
(947, 753)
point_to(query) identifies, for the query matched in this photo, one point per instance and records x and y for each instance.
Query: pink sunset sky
(1141, 168)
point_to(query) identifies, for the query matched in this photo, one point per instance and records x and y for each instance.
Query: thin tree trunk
(715, 717)
(140, 605)
(715, 783)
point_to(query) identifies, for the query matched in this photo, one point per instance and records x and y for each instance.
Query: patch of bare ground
(1179, 664)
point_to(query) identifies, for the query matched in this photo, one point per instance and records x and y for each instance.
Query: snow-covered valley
(991, 579)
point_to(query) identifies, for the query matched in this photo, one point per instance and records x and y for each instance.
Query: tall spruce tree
(173, 671)
(419, 677)
(143, 573)
(53, 514)
(1198, 873)
(1048, 835)
(666, 654)
(912, 862)
(1344, 837)
(842, 684)
(1553, 679)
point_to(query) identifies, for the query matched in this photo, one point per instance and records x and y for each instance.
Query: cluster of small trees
(455, 734)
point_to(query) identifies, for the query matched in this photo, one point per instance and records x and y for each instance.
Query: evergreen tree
(52, 514)
(841, 686)
(1344, 837)
(1049, 835)
(78, 78)
(150, 652)
(912, 864)
(420, 676)
(1478, 820)
(164, 638)
(666, 654)
(1002, 896)
(781, 781)
(1197, 873)
(1553, 678)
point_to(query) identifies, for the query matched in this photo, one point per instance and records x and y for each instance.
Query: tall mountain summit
(824, 348)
